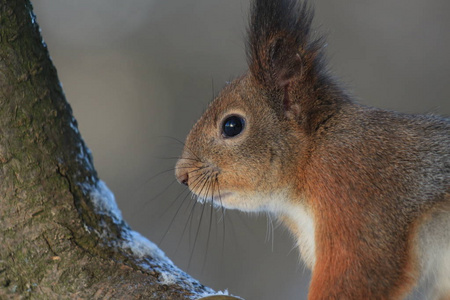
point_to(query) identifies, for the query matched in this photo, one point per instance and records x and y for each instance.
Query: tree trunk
(61, 234)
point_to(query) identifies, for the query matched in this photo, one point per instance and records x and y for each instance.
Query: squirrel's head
(237, 150)
(247, 147)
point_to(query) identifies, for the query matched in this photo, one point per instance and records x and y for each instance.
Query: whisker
(197, 169)
(200, 181)
(270, 230)
(166, 189)
(210, 225)
(145, 182)
(195, 183)
(158, 174)
(184, 145)
(180, 157)
(234, 239)
(200, 221)
(223, 218)
(174, 201)
(192, 212)
(175, 215)
(173, 138)
(146, 203)
(244, 221)
(185, 227)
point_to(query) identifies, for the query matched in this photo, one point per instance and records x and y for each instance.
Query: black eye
(232, 126)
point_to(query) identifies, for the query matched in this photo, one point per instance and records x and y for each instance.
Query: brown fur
(367, 178)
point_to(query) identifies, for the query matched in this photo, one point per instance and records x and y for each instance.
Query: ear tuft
(280, 48)
(284, 63)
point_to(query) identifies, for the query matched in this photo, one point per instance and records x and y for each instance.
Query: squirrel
(364, 191)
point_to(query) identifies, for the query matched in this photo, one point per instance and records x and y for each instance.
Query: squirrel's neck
(299, 220)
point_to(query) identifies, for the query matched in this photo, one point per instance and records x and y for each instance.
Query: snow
(220, 293)
(105, 203)
(103, 199)
(167, 278)
(142, 247)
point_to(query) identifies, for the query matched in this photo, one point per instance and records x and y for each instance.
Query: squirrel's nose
(181, 173)
(183, 178)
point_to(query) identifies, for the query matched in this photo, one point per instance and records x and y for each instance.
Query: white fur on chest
(305, 233)
(433, 249)
(302, 221)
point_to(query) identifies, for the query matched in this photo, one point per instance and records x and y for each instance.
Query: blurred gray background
(138, 74)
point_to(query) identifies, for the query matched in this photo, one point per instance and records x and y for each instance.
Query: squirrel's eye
(232, 126)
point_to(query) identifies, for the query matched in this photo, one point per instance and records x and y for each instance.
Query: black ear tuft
(280, 48)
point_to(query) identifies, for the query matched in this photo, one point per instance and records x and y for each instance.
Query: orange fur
(367, 182)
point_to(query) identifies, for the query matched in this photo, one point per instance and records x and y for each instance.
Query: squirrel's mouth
(217, 199)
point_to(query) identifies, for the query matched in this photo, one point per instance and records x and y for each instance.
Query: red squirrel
(364, 191)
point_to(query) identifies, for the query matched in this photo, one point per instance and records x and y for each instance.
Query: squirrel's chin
(234, 200)
(216, 200)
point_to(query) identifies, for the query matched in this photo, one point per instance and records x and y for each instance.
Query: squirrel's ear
(280, 49)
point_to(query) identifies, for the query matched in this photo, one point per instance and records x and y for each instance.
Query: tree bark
(61, 235)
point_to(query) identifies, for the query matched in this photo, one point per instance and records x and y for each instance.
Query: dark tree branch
(61, 235)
